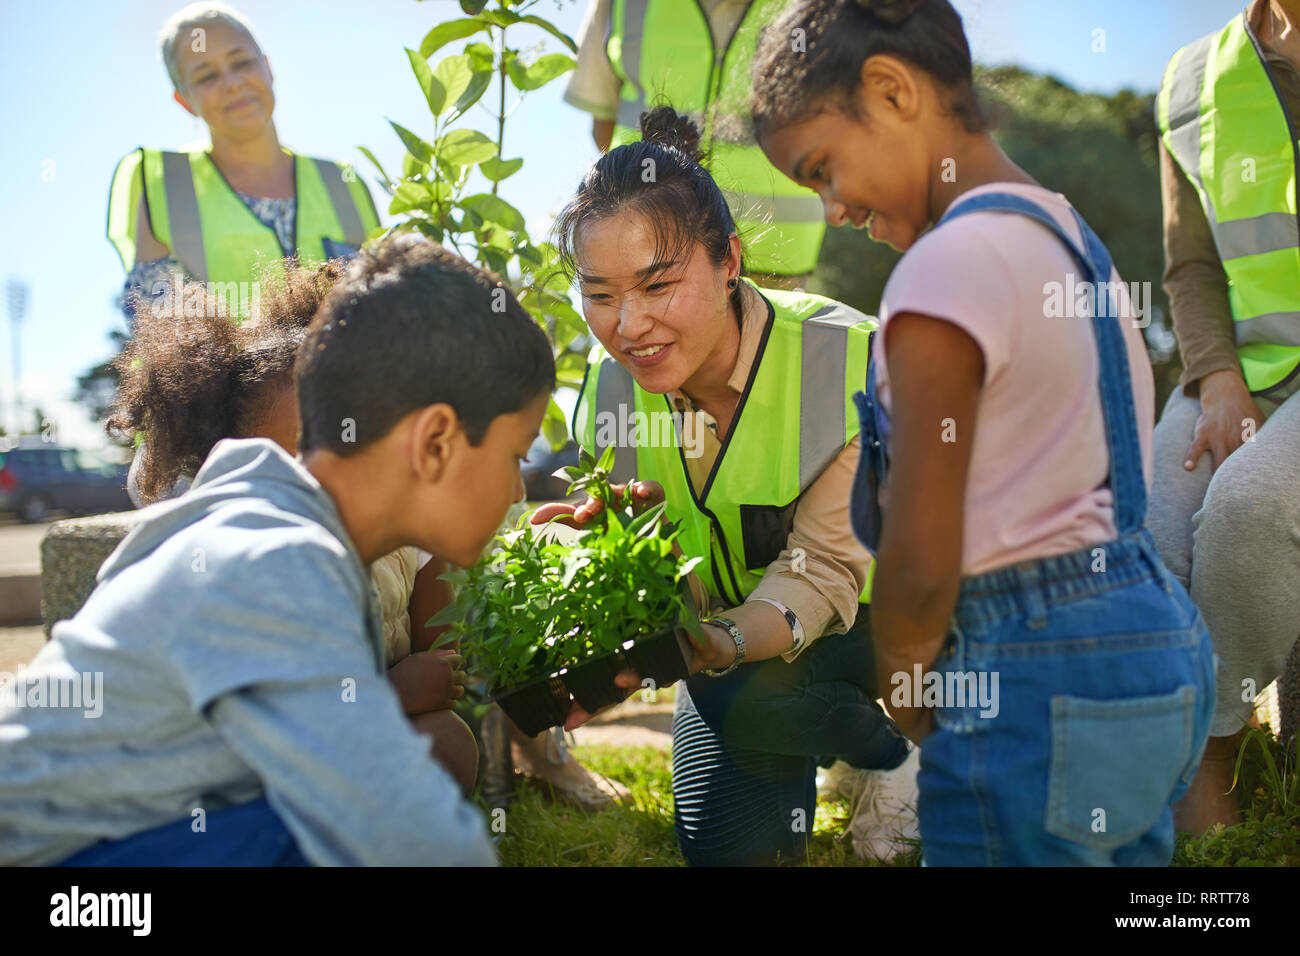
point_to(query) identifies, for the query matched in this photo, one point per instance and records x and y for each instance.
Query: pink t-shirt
(1039, 473)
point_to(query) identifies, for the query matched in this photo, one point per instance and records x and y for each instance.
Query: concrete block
(71, 553)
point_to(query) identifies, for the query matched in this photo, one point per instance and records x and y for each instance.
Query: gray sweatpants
(1232, 537)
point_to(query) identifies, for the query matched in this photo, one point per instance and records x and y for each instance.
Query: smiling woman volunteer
(218, 214)
(758, 476)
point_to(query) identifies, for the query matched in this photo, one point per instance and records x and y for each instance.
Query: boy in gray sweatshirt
(221, 697)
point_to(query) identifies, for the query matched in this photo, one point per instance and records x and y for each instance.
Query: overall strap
(1128, 488)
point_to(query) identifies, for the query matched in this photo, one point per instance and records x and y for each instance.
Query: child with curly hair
(188, 381)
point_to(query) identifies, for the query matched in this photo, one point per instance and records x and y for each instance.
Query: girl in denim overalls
(1058, 679)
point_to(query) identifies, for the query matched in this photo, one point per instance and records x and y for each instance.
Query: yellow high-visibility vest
(794, 417)
(213, 234)
(1222, 120)
(663, 50)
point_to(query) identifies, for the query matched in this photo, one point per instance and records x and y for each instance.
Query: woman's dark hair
(660, 177)
(810, 59)
(188, 381)
(412, 325)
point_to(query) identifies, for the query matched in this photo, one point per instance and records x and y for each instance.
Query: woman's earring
(732, 283)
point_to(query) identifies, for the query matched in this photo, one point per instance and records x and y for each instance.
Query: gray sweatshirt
(235, 639)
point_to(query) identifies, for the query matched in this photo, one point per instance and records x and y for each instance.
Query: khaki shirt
(824, 595)
(1194, 278)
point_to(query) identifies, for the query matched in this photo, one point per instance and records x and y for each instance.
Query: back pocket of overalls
(1115, 763)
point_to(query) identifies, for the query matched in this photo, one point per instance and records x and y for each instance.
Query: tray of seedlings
(550, 622)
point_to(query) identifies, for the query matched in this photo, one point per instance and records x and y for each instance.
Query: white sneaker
(837, 780)
(883, 805)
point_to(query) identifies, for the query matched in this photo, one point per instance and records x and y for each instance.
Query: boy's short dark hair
(412, 325)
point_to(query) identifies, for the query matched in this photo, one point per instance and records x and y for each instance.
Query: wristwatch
(796, 629)
(736, 636)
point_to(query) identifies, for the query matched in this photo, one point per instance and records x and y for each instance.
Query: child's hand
(428, 681)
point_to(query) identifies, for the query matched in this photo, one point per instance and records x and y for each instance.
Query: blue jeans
(746, 748)
(1105, 684)
(248, 834)
(1104, 669)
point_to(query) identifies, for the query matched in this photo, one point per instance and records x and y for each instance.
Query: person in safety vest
(633, 54)
(218, 213)
(1225, 512)
(752, 446)
(209, 219)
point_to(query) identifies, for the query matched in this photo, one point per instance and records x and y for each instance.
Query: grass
(543, 832)
(1268, 793)
(540, 831)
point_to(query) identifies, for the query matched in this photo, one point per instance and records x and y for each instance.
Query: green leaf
(497, 169)
(554, 426)
(448, 32)
(478, 85)
(606, 461)
(482, 56)
(424, 227)
(465, 147)
(451, 614)
(687, 566)
(540, 72)
(371, 156)
(455, 74)
(414, 145)
(444, 639)
(552, 29)
(434, 91)
(644, 523)
(494, 209)
(498, 18)
(408, 196)
(473, 7)
(496, 260)
(413, 167)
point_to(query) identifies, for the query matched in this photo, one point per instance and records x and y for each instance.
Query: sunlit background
(84, 84)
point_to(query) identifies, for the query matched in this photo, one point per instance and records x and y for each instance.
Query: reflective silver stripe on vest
(183, 215)
(1274, 328)
(766, 208)
(634, 12)
(345, 207)
(1184, 115)
(1258, 234)
(825, 349)
(615, 395)
(1184, 138)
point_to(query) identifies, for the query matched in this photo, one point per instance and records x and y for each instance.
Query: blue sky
(85, 84)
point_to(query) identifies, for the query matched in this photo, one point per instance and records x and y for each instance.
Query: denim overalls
(1098, 667)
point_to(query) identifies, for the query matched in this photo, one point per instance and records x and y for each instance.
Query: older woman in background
(216, 214)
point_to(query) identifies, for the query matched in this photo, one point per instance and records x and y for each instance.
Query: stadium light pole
(17, 296)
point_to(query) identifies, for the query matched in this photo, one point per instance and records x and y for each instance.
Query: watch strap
(736, 636)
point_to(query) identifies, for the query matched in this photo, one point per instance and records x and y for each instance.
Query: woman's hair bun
(892, 12)
(664, 126)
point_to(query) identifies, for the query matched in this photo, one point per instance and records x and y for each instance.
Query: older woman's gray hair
(196, 16)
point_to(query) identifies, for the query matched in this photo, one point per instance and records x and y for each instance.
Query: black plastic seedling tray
(544, 701)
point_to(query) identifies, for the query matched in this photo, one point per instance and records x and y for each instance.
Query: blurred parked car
(539, 466)
(38, 479)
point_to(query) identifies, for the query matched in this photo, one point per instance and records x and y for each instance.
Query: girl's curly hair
(188, 381)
